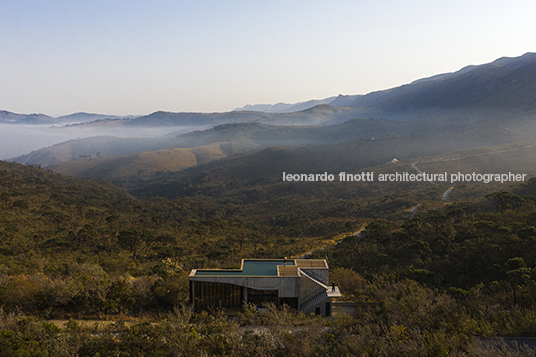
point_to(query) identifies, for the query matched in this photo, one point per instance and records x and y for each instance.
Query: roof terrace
(261, 267)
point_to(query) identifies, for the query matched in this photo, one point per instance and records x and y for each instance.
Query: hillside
(52, 222)
(242, 137)
(498, 90)
(73, 249)
(82, 117)
(142, 164)
(266, 166)
(327, 115)
(86, 147)
(491, 103)
(81, 250)
(251, 136)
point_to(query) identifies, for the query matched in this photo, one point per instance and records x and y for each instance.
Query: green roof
(249, 268)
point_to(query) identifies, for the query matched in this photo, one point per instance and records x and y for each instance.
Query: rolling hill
(476, 106)
(98, 153)
(142, 164)
(266, 166)
(14, 118)
(242, 137)
(319, 115)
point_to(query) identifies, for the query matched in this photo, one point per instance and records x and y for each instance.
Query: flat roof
(250, 267)
(291, 270)
(311, 263)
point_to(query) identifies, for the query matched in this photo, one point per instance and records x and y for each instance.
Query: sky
(136, 57)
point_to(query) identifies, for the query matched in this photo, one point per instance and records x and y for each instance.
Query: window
(217, 294)
(261, 297)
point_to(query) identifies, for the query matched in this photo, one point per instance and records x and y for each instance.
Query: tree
(504, 200)
(518, 274)
(135, 240)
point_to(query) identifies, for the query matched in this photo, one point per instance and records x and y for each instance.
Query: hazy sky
(137, 57)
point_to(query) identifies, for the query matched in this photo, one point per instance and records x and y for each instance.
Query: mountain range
(42, 119)
(503, 87)
(476, 106)
(338, 101)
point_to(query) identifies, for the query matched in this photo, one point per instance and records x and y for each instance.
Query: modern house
(302, 284)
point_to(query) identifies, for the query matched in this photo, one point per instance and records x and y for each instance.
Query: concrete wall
(322, 275)
(289, 287)
(322, 306)
(309, 289)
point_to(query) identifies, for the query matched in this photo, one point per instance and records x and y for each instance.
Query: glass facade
(262, 297)
(291, 302)
(209, 294)
(217, 294)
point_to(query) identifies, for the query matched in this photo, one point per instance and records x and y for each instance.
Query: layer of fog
(16, 140)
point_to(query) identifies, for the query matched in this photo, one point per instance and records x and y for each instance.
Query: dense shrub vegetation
(75, 250)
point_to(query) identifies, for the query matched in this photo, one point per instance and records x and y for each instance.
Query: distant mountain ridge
(243, 137)
(492, 102)
(477, 106)
(336, 101)
(82, 117)
(14, 118)
(318, 115)
(504, 87)
(42, 119)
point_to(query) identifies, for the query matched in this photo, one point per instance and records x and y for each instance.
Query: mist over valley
(477, 106)
(284, 178)
(16, 140)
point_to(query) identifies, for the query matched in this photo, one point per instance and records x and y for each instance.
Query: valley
(108, 227)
